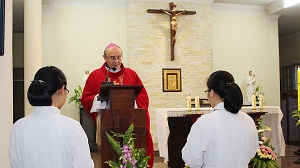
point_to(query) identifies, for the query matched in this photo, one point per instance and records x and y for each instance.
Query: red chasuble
(125, 76)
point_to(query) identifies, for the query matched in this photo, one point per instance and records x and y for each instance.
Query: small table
(256, 116)
(271, 119)
(180, 128)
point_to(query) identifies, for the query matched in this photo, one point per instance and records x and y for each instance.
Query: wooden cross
(173, 21)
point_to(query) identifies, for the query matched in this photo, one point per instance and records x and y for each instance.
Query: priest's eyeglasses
(114, 58)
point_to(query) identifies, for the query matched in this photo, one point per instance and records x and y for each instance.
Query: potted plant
(76, 98)
(129, 156)
(296, 114)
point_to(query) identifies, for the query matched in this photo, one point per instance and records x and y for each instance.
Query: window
(290, 78)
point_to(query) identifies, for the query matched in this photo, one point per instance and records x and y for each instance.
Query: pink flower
(263, 138)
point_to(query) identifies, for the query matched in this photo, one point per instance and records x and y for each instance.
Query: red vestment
(125, 76)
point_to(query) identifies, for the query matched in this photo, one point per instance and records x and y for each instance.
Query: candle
(188, 102)
(298, 74)
(253, 101)
(197, 102)
(261, 101)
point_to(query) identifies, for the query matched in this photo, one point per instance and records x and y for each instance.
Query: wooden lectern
(118, 117)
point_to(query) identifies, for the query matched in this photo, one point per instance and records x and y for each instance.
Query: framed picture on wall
(2, 21)
(171, 79)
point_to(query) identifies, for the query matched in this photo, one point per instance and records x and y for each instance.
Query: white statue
(250, 81)
(85, 76)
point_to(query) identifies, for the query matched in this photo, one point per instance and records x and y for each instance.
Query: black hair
(47, 81)
(223, 84)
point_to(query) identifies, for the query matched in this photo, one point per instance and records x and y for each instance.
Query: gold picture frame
(171, 79)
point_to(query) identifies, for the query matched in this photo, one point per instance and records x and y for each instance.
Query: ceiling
(288, 22)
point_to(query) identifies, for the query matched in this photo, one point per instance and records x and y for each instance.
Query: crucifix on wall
(173, 21)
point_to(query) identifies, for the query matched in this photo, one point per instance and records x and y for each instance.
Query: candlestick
(197, 102)
(261, 101)
(298, 74)
(188, 102)
(253, 101)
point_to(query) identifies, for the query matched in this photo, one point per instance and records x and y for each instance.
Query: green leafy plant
(265, 156)
(76, 98)
(129, 156)
(258, 91)
(296, 114)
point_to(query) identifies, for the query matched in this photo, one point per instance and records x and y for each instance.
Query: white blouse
(221, 139)
(47, 139)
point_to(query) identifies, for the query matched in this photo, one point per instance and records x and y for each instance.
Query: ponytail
(222, 82)
(233, 101)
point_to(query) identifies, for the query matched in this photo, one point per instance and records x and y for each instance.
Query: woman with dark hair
(45, 138)
(225, 137)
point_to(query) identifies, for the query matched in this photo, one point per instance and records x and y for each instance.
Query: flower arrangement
(76, 98)
(265, 156)
(129, 156)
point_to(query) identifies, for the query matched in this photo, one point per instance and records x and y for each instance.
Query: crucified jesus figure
(173, 22)
(173, 14)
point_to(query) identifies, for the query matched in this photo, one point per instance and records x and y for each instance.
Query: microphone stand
(108, 83)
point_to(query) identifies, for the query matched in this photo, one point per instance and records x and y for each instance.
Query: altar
(271, 119)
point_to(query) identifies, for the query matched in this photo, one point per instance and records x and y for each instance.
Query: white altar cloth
(271, 119)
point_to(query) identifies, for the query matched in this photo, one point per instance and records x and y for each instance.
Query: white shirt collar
(219, 106)
(45, 110)
(112, 71)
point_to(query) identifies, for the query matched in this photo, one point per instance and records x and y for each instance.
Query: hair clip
(38, 81)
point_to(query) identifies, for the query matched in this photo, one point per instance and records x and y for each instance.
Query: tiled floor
(286, 162)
